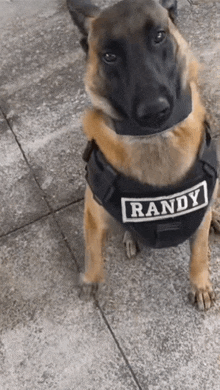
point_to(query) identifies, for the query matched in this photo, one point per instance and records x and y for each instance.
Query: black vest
(159, 216)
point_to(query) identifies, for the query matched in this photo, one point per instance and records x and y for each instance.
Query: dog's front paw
(87, 290)
(130, 244)
(202, 298)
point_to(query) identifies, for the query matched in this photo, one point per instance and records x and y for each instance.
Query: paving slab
(21, 200)
(49, 339)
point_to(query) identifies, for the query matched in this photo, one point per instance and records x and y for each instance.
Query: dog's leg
(130, 244)
(95, 229)
(202, 293)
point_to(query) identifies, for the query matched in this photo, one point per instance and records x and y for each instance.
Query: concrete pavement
(142, 333)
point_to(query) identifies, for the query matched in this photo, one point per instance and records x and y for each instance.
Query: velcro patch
(152, 209)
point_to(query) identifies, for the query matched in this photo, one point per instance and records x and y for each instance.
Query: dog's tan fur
(160, 160)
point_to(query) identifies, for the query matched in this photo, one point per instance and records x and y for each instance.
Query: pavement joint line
(25, 225)
(39, 218)
(64, 236)
(60, 230)
(69, 204)
(118, 345)
(26, 160)
(44, 195)
(32, 172)
(67, 244)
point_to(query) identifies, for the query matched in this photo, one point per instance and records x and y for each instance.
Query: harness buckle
(208, 169)
(97, 199)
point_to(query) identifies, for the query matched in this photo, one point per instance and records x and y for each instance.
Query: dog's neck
(182, 109)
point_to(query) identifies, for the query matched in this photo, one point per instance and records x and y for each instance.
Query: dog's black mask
(141, 73)
(134, 60)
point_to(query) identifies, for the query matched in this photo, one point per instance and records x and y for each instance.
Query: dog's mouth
(151, 120)
(156, 120)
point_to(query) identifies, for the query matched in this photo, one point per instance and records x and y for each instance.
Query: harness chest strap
(161, 217)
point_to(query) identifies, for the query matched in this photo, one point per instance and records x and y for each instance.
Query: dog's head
(136, 59)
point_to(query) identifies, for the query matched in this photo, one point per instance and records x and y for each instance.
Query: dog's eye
(159, 37)
(109, 58)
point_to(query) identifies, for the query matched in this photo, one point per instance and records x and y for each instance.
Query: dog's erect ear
(171, 6)
(82, 11)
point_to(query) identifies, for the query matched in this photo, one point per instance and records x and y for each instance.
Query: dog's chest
(159, 163)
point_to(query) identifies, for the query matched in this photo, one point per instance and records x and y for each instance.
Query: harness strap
(209, 155)
(112, 189)
(101, 173)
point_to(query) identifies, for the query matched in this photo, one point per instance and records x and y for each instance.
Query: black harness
(159, 216)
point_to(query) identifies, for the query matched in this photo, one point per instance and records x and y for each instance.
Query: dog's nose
(153, 113)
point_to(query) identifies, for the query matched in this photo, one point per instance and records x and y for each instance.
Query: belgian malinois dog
(151, 163)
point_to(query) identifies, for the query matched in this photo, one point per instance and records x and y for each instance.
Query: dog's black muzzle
(156, 116)
(152, 110)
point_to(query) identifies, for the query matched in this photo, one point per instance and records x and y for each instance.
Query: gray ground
(142, 333)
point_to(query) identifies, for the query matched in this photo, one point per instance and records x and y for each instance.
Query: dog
(151, 162)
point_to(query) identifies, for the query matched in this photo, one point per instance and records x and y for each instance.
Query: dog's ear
(82, 11)
(171, 6)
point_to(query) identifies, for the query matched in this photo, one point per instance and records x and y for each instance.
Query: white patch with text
(152, 209)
